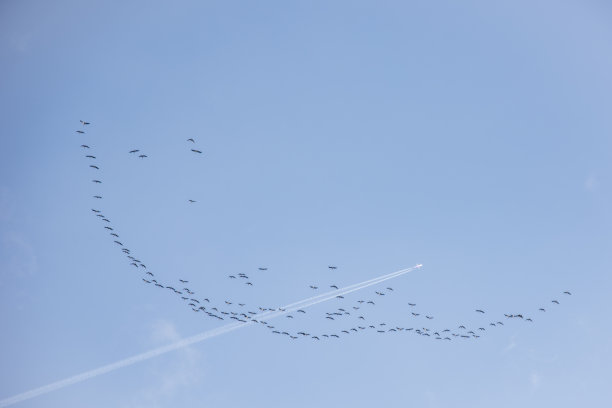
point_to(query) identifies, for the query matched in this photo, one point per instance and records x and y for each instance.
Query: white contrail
(198, 338)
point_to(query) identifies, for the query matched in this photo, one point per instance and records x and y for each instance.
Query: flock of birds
(353, 316)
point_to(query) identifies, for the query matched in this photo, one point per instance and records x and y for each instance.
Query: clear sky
(473, 137)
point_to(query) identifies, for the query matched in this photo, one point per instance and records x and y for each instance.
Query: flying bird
(555, 301)
(80, 131)
(94, 167)
(142, 156)
(89, 156)
(97, 197)
(263, 269)
(134, 151)
(96, 181)
(192, 201)
(195, 151)
(479, 311)
(332, 267)
(334, 287)
(191, 140)
(85, 146)
(567, 292)
(84, 123)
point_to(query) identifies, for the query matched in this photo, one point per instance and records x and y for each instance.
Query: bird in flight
(134, 151)
(332, 267)
(412, 304)
(97, 196)
(567, 292)
(85, 146)
(80, 131)
(183, 281)
(479, 311)
(142, 156)
(555, 301)
(89, 156)
(195, 151)
(94, 167)
(333, 286)
(96, 181)
(263, 269)
(84, 123)
(191, 140)
(192, 201)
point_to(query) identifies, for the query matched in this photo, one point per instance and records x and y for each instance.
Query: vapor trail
(198, 338)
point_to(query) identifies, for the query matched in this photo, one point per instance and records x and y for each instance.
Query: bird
(96, 196)
(195, 151)
(429, 317)
(191, 140)
(391, 289)
(85, 146)
(412, 304)
(118, 243)
(555, 301)
(263, 269)
(479, 311)
(142, 156)
(567, 292)
(114, 235)
(84, 123)
(94, 167)
(89, 156)
(232, 277)
(192, 201)
(542, 309)
(96, 181)
(134, 151)
(249, 283)
(183, 281)
(314, 287)
(80, 131)
(332, 267)
(333, 287)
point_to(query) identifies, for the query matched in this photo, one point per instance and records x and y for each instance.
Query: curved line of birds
(245, 313)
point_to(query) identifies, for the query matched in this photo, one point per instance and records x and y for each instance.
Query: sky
(472, 138)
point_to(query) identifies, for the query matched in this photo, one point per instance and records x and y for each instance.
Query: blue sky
(473, 138)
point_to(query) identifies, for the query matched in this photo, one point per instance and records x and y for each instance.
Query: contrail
(198, 338)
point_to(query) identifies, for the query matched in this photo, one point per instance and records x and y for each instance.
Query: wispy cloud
(591, 183)
(510, 345)
(535, 379)
(184, 371)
